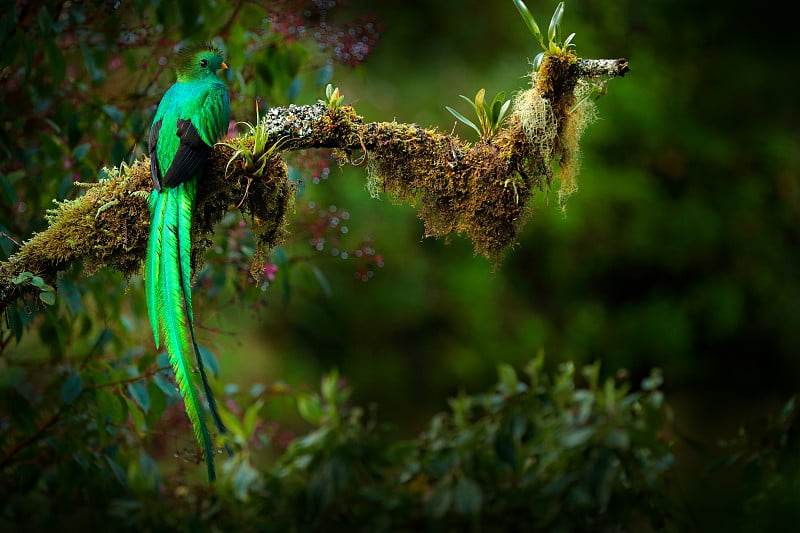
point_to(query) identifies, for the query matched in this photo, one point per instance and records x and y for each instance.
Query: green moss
(457, 188)
(108, 226)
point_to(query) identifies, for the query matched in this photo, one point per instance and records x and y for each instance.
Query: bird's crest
(186, 60)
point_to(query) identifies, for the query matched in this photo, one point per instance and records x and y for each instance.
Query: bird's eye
(204, 63)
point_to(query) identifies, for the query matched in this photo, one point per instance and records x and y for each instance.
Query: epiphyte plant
(257, 155)
(554, 43)
(490, 115)
(333, 99)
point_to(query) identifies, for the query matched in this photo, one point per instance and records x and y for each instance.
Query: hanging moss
(552, 124)
(482, 190)
(457, 188)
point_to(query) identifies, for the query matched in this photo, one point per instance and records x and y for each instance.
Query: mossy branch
(480, 190)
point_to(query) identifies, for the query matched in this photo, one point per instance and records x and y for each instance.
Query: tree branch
(480, 190)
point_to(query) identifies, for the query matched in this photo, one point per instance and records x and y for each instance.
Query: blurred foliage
(680, 251)
(541, 452)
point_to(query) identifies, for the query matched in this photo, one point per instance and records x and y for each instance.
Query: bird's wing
(190, 157)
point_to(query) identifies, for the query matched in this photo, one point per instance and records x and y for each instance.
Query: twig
(36, 435)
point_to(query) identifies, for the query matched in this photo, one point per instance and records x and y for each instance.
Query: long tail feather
(152, 269)
(169, 302)
(186, 208)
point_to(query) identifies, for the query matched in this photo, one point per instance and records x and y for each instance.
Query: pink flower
(231, 130)
(269, 271)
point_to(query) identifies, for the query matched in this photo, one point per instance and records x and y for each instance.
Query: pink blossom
(269, 271)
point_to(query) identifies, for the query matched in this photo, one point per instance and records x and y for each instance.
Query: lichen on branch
(480, 190)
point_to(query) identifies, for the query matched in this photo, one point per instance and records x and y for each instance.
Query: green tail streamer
(168, 288)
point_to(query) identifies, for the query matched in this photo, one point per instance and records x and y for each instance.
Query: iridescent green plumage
(192, 116)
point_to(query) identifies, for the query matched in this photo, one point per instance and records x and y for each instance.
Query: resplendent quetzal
(192, 116)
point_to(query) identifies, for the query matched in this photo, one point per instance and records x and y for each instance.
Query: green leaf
(578, 436)
(508, 378)
(294, 88)
(118, 471)
(167, 386)
(138, 392)
(162, 359)
(329, 385)
(80, 151)
(71, 296)
(592, 374)
(234, 425)
(71, 388)
(537, 61)
(278, 256)
(251, 417)
(497, 105)
(209, 360)
(310, 408)
(504, 110)
(110, 405)
(103, 338)
(324, 75)
(555, 24)
(529, 21)
(480, 99)
(15, 322)
(23, 277)
(139, 423)
(48, 298)
(505, 449)
(114, 113)
(463, 119)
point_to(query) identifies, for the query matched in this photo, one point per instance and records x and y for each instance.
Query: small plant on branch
(47, 294)
(554, 44)
(490, 115)
(333, 99)
(259, 154)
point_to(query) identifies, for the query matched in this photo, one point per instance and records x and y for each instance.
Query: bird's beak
(223, 65)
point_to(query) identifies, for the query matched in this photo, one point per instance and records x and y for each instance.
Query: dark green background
(679, 251)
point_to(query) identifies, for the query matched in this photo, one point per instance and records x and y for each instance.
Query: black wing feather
(155, 170)
(191, 157)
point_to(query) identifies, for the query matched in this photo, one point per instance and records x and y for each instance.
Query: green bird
(192, 116)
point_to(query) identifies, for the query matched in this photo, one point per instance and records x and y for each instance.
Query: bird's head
(197, 62)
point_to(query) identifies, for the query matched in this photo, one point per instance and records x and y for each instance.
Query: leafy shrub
(537, 451)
